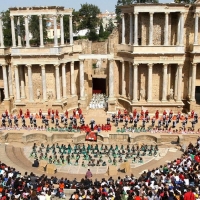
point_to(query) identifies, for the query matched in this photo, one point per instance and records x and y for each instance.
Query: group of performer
(98, 101)
(164, 120)
(68, 154)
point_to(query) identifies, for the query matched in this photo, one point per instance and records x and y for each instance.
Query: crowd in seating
(175, 180)
(94, 155)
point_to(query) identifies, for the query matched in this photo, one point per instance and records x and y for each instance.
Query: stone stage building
(151, 60)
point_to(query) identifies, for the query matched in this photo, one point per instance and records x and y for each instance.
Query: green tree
(35, 29)
(89, 20)
(7, 28)
(110, 26)
(101, 31)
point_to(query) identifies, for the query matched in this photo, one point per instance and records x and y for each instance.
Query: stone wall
(100, 47)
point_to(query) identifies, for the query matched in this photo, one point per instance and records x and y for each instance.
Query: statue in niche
(38, 93)
(49, 95)
(142, 94)
(98, 64)
(171, 94)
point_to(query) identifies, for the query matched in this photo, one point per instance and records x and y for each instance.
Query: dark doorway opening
(99, 85)
(1, 95)
(197, 94)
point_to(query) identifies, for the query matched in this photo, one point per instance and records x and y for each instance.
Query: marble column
(17, 84)
(111, 79)
(57, 75)
(179, 90)
(71, 30)
(13, 31)
(176, 84)
(135, 82)
(72, 79)
(22, 84)
(82, 85)
(5, 82)
(196, 28)
(151, 29)
(61, 31)
(135, 29)
(169, 79)
(1, 33)
(30, 82)
(10, 81)
(181, 28)
(27, 31)
(44, 87)
(55, 31)
(178, 29)
(150, 70)
(123, 80)
(19, 39)
(130, 80)
(41, 31)
(193, 85)
(64, 84)
(164, 90)
(131, 29)
(123, 28)
(190, 82)
(166, 29)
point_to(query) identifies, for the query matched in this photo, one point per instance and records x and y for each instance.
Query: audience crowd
(176, 180)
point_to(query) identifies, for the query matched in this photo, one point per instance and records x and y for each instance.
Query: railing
(150, 49)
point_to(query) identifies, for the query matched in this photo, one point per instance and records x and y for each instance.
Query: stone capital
(130, 14)
(72, 63)
(40, 16)
(3, 66)
(61, 15)
(180, 65)
(196, 14)
(150, 65)
(25, 16)
(70, 16)
(165, 65)
(151, 13)
(12, 17)
(194, 64)
(42, 67)
(166, 13)
(55, 16)
(135, 13)
(122, 61)
(135, 65)
(28, 66)
(111, 60)
(56, 66)
(63, 64)
(122, 15)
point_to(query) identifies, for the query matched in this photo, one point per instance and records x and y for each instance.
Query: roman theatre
(150, 61)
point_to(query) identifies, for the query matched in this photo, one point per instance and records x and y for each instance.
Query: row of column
(26, 20)
(180, 29)
(20, 83)
(133, 82)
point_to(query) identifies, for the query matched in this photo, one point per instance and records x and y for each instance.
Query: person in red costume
(57, 113)
(125, 112)
(79, 111)
(134, 113)
(49, 112)
(192, 113)
(66, 113)
(20, 112)
(142, 113)
(28, 113)
(52, 112)
(164, 113)
(146, 113)
(40, 113)
(74, 113)
(6, 112)
(119, 113)
(157, 114)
